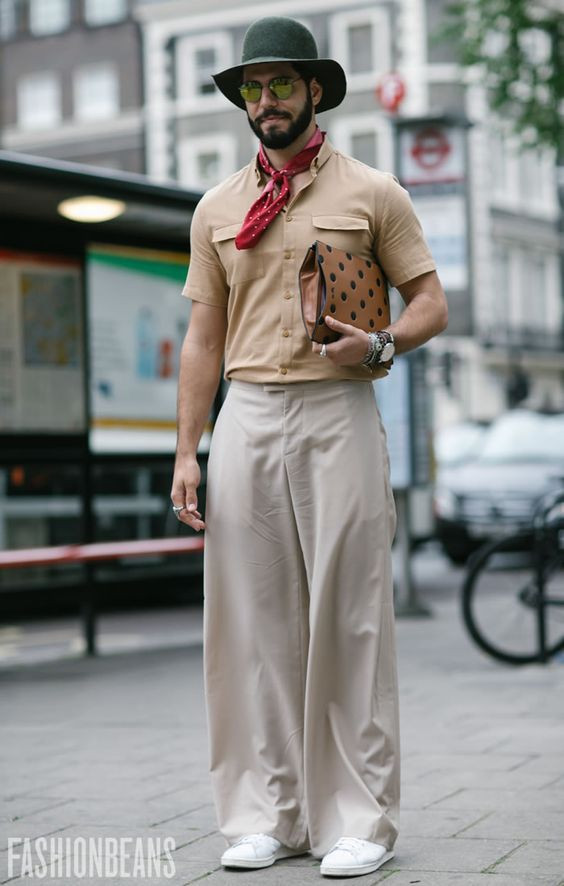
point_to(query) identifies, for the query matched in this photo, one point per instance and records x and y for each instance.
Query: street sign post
(403, 402)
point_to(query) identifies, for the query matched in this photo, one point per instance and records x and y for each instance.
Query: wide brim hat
(281, 39)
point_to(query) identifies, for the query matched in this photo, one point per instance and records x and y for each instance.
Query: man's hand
(350, 349)
(185, 482)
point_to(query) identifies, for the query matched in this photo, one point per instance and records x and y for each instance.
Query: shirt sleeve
(401, 247)
(206, 280)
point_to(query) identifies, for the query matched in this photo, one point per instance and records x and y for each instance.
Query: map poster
(41, 350)
(402, 399)
(137, 323)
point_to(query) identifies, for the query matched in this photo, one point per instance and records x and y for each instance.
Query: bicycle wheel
(500, 596)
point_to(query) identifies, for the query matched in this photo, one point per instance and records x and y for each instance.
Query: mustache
(281, 114)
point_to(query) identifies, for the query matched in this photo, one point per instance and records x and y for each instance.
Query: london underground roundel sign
(430, 148)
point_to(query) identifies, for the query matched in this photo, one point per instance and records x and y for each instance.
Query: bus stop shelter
(91, 323)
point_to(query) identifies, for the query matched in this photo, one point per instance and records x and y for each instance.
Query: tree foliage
(518, 45)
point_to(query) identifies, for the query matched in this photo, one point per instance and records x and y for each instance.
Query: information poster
(443, 220)
(393, 398)
(403, 402)
(137, 321)
(41, 352)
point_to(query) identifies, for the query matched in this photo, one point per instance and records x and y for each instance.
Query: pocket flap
(340, 222)
(227, 232)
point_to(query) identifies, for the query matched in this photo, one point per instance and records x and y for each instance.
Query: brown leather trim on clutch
(351, 289)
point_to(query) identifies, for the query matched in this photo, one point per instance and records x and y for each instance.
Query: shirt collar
(318, 161)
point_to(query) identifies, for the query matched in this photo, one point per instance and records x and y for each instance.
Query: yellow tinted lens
(251, 92)
(281, 87)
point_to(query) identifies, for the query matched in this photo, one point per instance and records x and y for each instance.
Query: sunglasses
(280, 87)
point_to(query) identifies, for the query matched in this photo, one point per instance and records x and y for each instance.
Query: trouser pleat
(299, 643)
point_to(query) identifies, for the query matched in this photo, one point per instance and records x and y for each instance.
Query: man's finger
(337, 326)
(191, 517)
(316, 348)
(189, 511)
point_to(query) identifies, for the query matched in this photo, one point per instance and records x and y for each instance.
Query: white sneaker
(351, 856)
(256, 851)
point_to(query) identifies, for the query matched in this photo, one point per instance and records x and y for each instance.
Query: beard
(276, 138)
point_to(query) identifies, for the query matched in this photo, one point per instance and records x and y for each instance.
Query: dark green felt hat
(280, 39)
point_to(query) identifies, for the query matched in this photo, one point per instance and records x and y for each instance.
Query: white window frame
(379, 21)
(342, 130)
(224, 143)
(517, 314)
(552, 319)
(510, 194)
(78, 106)
(188, 99)
(501, 306)
(34, 19)
(25, 124)
(94, 19)
(514, 300)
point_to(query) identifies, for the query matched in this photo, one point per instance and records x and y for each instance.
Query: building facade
(128, 85)
(71, 81)
(504, 343)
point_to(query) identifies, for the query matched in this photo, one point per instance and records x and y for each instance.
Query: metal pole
(407, 602)
(88, 520)
(540, 551)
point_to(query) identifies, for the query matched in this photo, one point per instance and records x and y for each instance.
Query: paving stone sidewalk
(116, 746)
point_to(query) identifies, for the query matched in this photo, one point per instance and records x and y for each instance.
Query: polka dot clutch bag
(351, 289)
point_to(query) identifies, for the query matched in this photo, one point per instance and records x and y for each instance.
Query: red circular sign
(430, 147)
(390, 91)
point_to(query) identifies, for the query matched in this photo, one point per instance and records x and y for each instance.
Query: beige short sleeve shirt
(344, 203)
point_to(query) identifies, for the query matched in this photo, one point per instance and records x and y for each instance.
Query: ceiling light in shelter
(91, 209)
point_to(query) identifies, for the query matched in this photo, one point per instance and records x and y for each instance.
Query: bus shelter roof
(31, 189)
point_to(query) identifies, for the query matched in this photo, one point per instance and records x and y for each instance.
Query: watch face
(387, 352)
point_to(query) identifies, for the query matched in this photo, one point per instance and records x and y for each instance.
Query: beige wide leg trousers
(299, 634)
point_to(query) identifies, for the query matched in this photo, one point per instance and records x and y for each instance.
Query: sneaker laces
(349, 844)
(254, 839)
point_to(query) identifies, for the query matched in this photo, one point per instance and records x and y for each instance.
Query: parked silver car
(494, 489)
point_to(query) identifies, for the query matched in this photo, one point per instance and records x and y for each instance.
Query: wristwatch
(382, 348)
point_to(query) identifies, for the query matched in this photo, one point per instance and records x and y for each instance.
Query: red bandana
(266, 208)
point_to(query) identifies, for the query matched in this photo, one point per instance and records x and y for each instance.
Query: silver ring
(177, 509)
(323, 351)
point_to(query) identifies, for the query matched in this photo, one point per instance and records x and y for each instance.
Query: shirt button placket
(288, 287)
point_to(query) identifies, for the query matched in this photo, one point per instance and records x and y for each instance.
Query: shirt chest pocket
(240, 264)
(348, 232)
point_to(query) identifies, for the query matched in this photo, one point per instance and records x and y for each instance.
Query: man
(299, 648)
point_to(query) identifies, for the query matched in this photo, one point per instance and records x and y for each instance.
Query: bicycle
(513, 592)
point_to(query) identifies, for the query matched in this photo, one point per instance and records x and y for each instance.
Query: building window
(536, 176)
(208, 165)
(521, 179)
(534, 291)
(48, 16)
(197, 58)
(7, 19)
(364, 147)
(206, 160)
(39, 101)
(360, 39)
(104, 12)
(366, 137)
(498, 164)
(96, 92)
(500, 306)
(204, 66)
